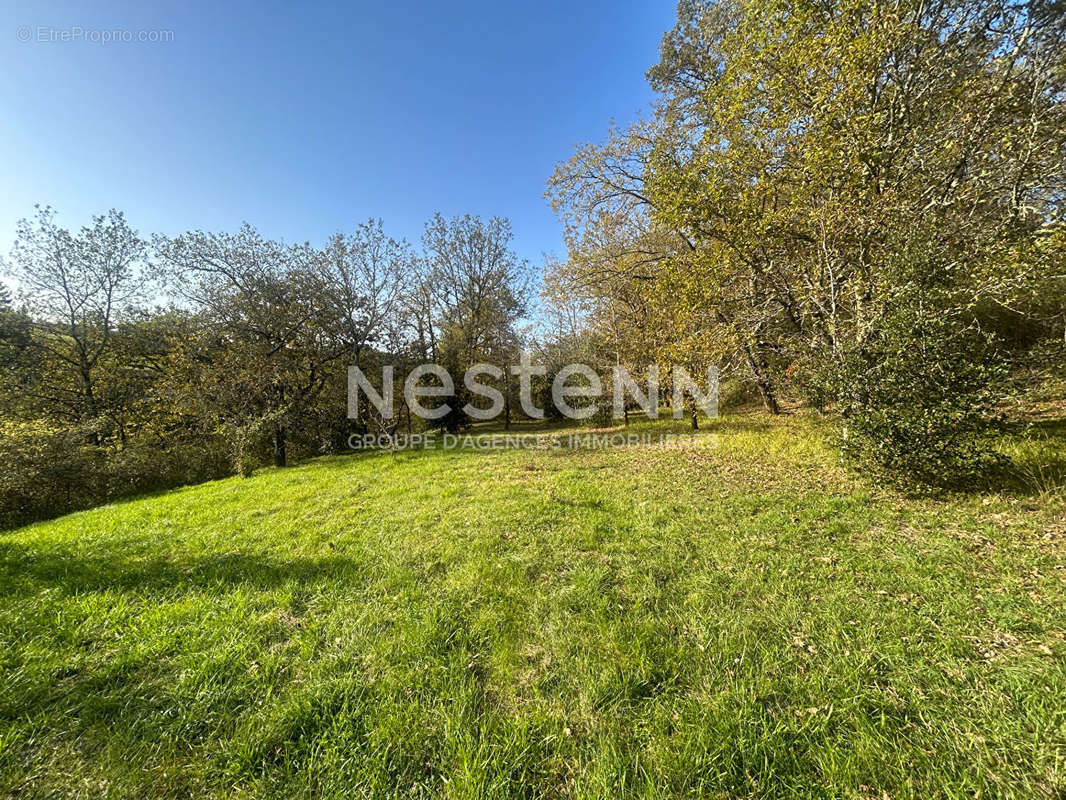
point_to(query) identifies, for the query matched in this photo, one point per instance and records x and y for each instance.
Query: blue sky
(304, 120)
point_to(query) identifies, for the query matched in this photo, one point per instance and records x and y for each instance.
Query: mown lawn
(735, 618)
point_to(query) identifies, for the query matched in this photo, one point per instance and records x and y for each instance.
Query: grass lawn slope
(736, 617)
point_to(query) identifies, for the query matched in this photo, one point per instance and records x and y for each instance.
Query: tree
(849, 163)
(270, 334)
(77, 286)
(828, 167)
(15, 359)
(473, 291)
(635, 262)
(366, 276)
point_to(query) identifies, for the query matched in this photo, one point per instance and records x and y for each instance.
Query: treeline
(133, 364)
(858, 206)
(854, 206)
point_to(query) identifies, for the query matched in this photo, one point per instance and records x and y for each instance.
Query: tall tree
(850, 184)
(366, 276)
(77, 286)
(474, 289)
(271, 336)
(871, 176)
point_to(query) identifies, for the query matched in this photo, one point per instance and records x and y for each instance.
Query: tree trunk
(761, 373)
(695, 420)
(279, 446)
(769, 396)
(90, 399)
(507, 414)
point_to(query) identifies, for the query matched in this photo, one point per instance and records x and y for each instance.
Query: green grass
(737, 618)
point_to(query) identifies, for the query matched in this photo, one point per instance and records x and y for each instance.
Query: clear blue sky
(305, 119)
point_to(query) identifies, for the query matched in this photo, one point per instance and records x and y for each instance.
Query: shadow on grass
(1030, 477)
(1028, 461)
(23, 570)
(1015, 476)
(1037, 461)
(1050, 428)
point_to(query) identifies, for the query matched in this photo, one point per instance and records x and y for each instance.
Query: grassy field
(737, 617)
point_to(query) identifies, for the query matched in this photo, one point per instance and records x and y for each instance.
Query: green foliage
(52, 470)
(921, 400)
(735, 393)
(250, 363)
(809, 167)
(48, 471)
(247, 444)
(604, 415)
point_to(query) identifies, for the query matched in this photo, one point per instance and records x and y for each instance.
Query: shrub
(47, 471)
(50, 471)
(920, 400)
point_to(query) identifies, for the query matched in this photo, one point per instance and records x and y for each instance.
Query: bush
(146, 467)
(48, 471)
(604, 414)
(920, 401)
